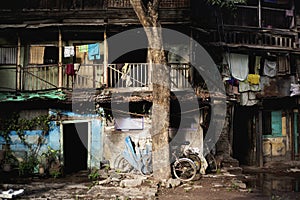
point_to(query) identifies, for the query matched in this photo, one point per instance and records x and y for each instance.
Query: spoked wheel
(195, 158)
(122, 164)
(184, 169)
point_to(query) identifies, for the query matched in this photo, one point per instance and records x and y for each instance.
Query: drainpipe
(19, 64)
(60, 71)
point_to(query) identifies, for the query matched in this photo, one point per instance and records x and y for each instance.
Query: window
(43, 55)
(8, 55)
(272, 123)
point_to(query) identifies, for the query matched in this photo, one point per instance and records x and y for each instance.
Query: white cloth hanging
(238, 64)
(270, 68)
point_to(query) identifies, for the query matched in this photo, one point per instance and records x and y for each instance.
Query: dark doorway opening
(75, 139)
(244, 136)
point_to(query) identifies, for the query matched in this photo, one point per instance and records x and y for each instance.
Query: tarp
(25, 96)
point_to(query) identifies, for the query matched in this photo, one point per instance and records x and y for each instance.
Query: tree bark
(148, 17)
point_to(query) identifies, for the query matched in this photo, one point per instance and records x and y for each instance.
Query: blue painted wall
(52, 139)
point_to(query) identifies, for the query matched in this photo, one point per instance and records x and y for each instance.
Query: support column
(259, 14)
(18, 83)
(259, 151)
(60, 71)
(105, 60)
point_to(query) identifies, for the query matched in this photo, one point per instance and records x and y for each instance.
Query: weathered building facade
(56, 61)
(260, 56)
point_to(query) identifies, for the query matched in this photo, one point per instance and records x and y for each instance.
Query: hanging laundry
(69, 51)
(83, 48)
(70, 69)
(94, 51)
(245, 86)
(270, 68)
(248, 99)
(125, 74)
(238, 64)
(283, 65)
(257, 64)
(253, 79)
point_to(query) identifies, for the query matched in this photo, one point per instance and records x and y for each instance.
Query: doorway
(75, 144)
(243, 134)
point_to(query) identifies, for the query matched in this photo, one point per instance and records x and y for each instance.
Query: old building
(56, 62)
(259, 45)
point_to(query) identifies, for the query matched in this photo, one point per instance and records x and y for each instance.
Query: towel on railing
(70, 69)
(125, 74)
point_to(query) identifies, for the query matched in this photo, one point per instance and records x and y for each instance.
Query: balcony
(254, 38)
(128, 76)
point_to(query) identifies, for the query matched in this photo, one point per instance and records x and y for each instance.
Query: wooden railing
(88, 76)
(162, 4)
(40, 77)
(254, 37)
(128, 75)
(180, 76)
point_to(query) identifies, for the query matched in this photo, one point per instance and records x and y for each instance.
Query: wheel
(212, 163)
(184, 169)
(122, 164)
(196, 160)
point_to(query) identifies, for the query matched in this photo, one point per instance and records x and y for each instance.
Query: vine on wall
(13, 122)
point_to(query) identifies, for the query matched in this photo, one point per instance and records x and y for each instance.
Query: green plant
(28, 165)
(52, 159)
(94, 175)
(9, 158)
(55, 174)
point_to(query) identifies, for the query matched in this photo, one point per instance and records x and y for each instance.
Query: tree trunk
(161, 87)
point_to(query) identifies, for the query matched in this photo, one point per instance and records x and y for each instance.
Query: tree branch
(141, 12)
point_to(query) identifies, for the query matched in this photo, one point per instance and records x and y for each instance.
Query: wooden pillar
(60, 71)
(105, 60)
(259, 14)
(292, 135)
(259, 142)
(18, 83)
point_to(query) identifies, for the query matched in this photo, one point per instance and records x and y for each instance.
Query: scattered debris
(9, 194)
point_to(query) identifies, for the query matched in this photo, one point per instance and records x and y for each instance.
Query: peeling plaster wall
(114, 140)
(274, 146)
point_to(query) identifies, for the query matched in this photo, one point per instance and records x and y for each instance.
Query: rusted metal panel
(275, 87)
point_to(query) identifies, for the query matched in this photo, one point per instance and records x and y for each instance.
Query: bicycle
(191, 161)
(183, 168)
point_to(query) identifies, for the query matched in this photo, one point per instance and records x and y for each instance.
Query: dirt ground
(211, 186)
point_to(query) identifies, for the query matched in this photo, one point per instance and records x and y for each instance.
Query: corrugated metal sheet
(8, 55)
